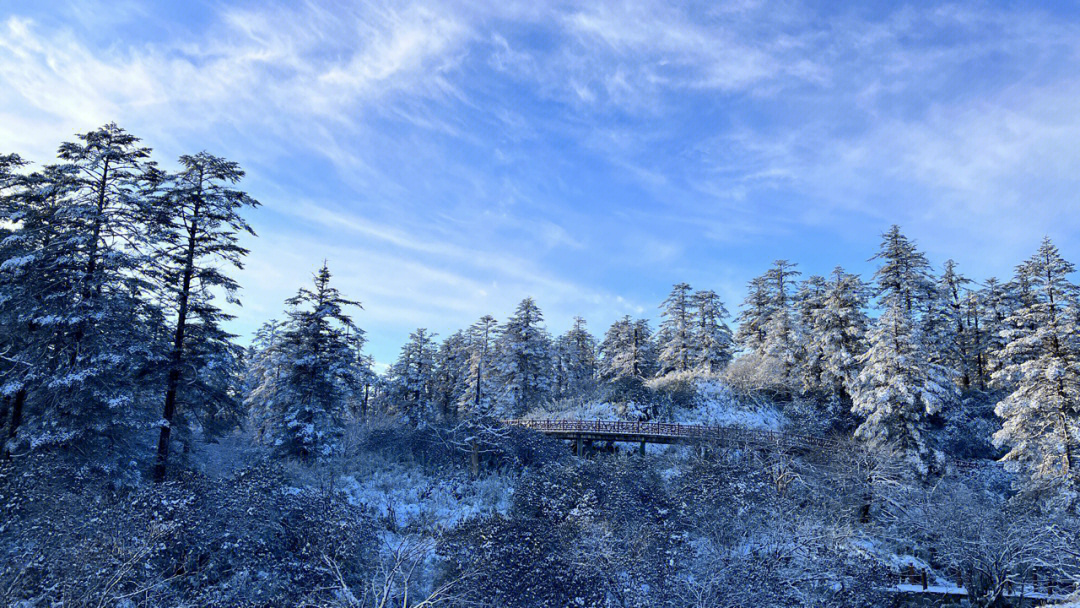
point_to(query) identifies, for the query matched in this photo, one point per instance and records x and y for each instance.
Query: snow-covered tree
(675, 337)
(809, 301)
(451, 371)
(477, 399)
(628, 351)
(904, 273)
(308, 372)
(197, 220)
(1041, 362)
(575, 361)
(899, 386)
(945, 326)
(836, 336)
(987, 311)
(411, 379)
(74, 286)
(782, 334)
(711, 334)
(523, 361)
(757, 310)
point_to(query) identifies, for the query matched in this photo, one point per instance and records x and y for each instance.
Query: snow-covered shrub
(716, 404)
(249, 539)
(595, 533)
(673, 391)
(753, 374)
(631, 392)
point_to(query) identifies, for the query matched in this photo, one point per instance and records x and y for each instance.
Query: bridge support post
(641, 448)
(578, 446)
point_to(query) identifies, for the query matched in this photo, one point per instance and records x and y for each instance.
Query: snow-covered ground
(717, 405)
(406, 498)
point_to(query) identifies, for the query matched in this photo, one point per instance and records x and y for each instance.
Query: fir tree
(988, 314)
(782, 335)
(308, 372)
(73, 277)
(1041, 362)
(711, 333)
(476, 400)
(524, 360)
(628, 351)
(837, 336)
(451, 370)
(947, 328)
(411, 378)
(575, 361)
(675, 336)
(899, 387)
(809, 302)
(197, 222)
(757, 310)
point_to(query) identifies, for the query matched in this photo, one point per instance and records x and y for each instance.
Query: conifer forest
(873, 425)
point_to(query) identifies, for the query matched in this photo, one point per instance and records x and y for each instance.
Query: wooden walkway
(672, 432)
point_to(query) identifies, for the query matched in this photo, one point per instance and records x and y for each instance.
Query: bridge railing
(674, 430)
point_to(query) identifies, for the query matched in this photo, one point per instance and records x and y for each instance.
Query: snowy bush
(194, 541)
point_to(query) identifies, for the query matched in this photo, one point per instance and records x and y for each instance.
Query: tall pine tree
(899, 387)
(197, 224)
(73, 279)
(412, 378)
(477, 399)
(1041, 364)
(524, 360)
(575, 361)
(675, 338)
(710, 333)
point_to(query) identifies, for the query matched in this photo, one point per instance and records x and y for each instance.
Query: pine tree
(987, 315)
(451, 370)
(74, 283)
(782, 333)
(837, 336)
(899, 386)
(946, 327)
(757, 310)
(711, 333)
(197, 222)
(675, 336)
(412, 379)
(476, 400)
(904, 273)
(16, 209)
(809, 302)
(628, 351)
(1041, 362)
(308, 372)
(575, 361)
(627, 358)
(524, 361)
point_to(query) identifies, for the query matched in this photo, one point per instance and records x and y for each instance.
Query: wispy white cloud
(452, 157)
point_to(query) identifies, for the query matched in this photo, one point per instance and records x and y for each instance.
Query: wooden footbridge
(583, 432)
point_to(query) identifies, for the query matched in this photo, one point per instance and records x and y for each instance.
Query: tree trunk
(177, 359)
(16, 419)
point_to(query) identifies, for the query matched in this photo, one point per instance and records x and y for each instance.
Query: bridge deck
(673, 432)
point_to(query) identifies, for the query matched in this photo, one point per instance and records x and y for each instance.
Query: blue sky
(449, 158)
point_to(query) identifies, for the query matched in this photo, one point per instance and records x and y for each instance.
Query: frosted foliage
(523, 361)
(1041, 362)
